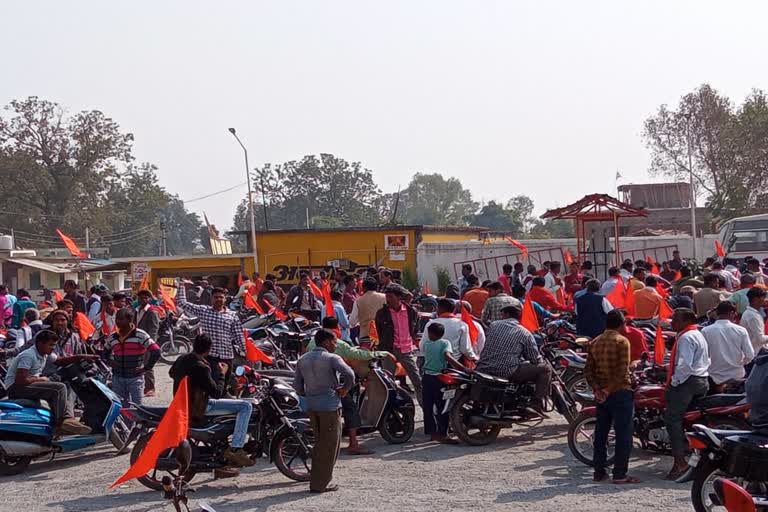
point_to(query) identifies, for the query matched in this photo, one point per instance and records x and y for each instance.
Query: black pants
(349, 408)
(216, 371)
(55, 393)
(618, 411)
(435, 422)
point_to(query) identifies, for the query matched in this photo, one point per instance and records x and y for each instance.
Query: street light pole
(693, 191)
(250, 201)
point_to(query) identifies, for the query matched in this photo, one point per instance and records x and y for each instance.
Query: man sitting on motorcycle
(349, 407)
(25, 380)
(510, 352)
(202, 387)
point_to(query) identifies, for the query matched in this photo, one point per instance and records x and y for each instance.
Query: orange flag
(719, 249)
(84, 326)
(169, 304)
(329, 310)
(659, 348)
(170, 432)
(240, 280)
(254, 353)
(665, 312)
(71, 245)
(662, 291)
(315, 290)
(57, 296)
(359, 286)
(529, 319)
(568, 257)
(520, 246)
(629, 300)
(678, 276)
(426, 288)
(249, 303)
(467, 319)
(279, 314)
(616, 296)
(144, 284)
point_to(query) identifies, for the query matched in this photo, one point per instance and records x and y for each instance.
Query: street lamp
(250, 201)
(693, 191)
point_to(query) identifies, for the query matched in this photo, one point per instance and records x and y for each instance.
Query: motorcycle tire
(285, 450)
(577, 428)
(703, 477)
(578, 383)
(10, 466)
(119, 435)
(170, 351)
(153, 480)
(483, 437)
(397, 426)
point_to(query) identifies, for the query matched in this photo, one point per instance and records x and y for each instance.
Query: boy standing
(437, 354)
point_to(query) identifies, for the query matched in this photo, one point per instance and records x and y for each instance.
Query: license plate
(448, 394)
(694, 459)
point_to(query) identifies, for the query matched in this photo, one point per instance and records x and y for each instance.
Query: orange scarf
(673, 353)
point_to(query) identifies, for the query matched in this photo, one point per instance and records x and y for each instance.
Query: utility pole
(250, 202)
(693, 191)
(164, 239)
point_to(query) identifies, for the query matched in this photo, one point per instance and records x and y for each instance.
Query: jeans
(350, 408)
(216, 371)
(408, 361)
(617, 410)
(678, 399)
(129, 389)
(243, 409)
(435, 422)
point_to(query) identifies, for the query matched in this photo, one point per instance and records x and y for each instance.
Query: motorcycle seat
(157, 412)
(711, 401)
(26, 402)
(491, 379)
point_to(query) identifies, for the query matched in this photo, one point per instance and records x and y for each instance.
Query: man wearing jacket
(396, 325)
(204, 393)
(300, 298)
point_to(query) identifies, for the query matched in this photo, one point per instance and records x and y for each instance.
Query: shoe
(330, 488)
(238, 457)
(71, 426)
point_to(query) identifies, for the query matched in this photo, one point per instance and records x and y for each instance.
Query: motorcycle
(286, 440)
(481, 405)
(172, 339)
(177, 488)
(385, 406)
(738, 455)
(26, 427)
(716, 411)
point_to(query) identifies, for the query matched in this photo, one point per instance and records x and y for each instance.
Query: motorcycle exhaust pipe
(687, 476)
(23, 449)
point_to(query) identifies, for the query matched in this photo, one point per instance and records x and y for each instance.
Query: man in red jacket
(543, 296)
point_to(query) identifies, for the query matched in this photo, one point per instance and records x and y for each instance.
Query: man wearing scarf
(105, 322)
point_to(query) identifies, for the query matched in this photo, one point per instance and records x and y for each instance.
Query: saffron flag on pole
(654, 266)
(252, 304)
(568, 257)
(678, 276)
(629, 300)
(520, 246)
(665, 312)
(71, 245)
(57, 296)
(427, 290)
(329, 311)
(616, 296)
(318, 293)
(719, 249)
(84, 326)
(171, 431)
(274, 309)
(467, 319)
(528, 319)
(252, 352)
(659, 348)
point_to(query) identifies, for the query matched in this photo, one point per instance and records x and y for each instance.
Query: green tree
(433, 200)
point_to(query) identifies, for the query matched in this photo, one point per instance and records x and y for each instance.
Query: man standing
(339, 313)
(72, 294)
(592, 310)
(647, 300)
(455, 331)
(517, 276)
(506, 279)
(607, 372)
(316, 380)
(539, 293)
(349, 294)
(552, 281)
(752, 319)
(498, 299)
(466, 271)
(126, 350)
(476, 295)
(686, 381)
(739, 297)
(94, 302)
(300, 298)
(729, 347)
(677, 262)
(572, 281)
(220, 324)
(510, 352)
(614, 280)
(366, 306)
(396, 325)
(147, 319)
(710, 296)
(22, 304)
(105, 323)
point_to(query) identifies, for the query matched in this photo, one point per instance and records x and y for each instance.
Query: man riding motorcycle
(510, 353)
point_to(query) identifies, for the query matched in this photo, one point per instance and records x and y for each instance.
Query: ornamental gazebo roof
(596, 207)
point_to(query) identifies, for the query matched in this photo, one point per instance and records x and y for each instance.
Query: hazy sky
(541, 98)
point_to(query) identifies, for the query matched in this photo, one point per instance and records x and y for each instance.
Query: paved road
(527, 469)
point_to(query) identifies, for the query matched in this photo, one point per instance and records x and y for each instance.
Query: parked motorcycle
(739, 455)
(174, 336)
(287, 441)
(716, 411)
(385, 406)
(27, 430)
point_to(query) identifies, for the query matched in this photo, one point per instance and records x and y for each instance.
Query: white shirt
(692, 357)
(753, 322)
(609, 285)
(626, 275)
(93, 313)
(729, 350)
(727, 278)
(480, 341)
(550, 283)
(457, 333)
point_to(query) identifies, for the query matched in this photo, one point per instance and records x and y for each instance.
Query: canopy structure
(596, 208)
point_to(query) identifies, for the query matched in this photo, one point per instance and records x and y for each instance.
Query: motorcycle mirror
(239, 371)
(184, 456)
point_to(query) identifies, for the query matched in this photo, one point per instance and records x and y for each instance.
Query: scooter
(27, 430)
(385, 406)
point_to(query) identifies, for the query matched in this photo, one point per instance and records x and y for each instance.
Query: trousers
(408, 361)
(539, 374)
(55, 393)
(327, 428)
(678, 399)
(618, 411)
(242, 408)
(435, 422)
(129, 389)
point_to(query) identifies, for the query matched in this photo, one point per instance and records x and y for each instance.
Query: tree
(431, 199)
(553, 229)
(496, 218)
(77, 172)
(728, 147)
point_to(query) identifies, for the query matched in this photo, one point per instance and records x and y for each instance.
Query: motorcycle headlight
(286, 396)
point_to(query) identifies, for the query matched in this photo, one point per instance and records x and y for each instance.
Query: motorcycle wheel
(289, 455)
(398, 426)
(171, 350)
(10, 466)
(153, 479)
(703, 485)
(578, 383)
(119, 435)
(459, 417)
(580, 440)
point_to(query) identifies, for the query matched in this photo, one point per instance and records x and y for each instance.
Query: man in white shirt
(365, 308)
(689, 370)
(552, 280)
(626, 270)
(456, 331)
(614, 280)
(727, 277)
(752, 319)
(729, 347)
(480, 341)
